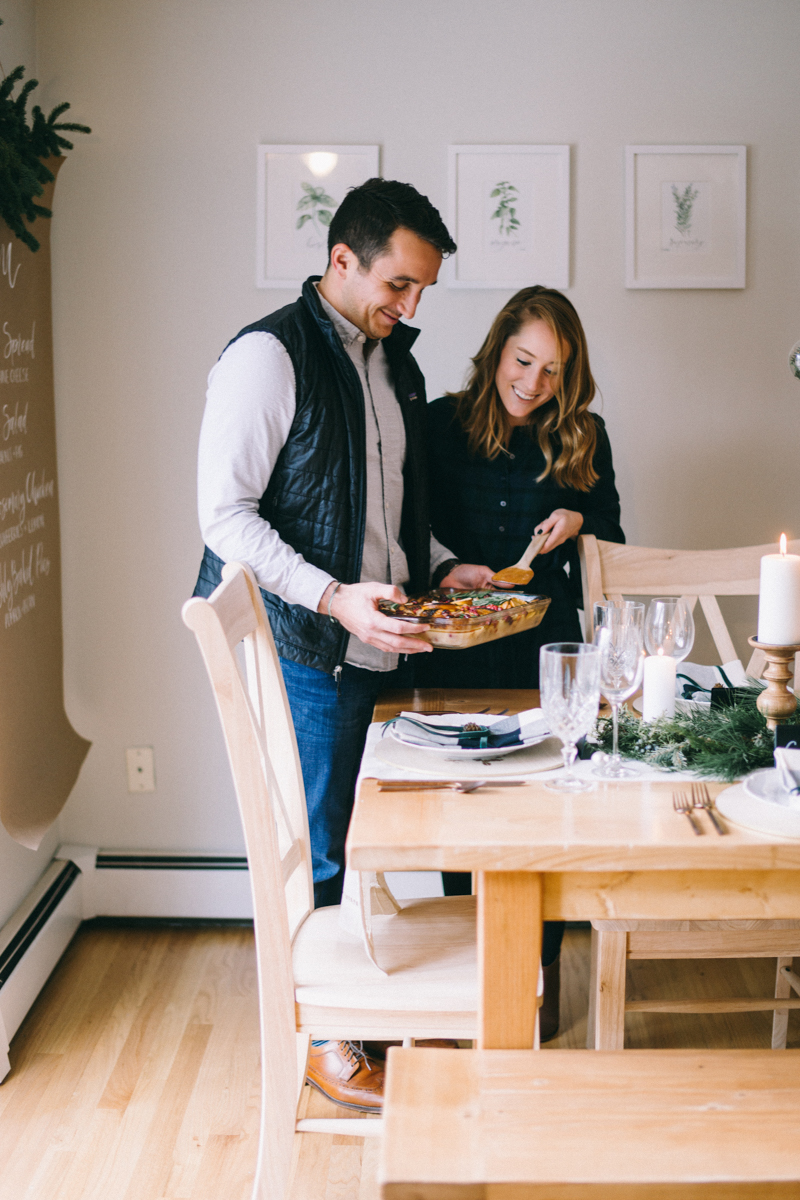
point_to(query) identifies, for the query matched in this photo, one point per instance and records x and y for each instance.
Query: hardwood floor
(136, 1075)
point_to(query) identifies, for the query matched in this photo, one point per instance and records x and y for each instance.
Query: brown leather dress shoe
(344, 1073)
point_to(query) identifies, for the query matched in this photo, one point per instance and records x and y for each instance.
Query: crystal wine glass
(603, 607)
(569, 683)
(619, 635)
(669, 627)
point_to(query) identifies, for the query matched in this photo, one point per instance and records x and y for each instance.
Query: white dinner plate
(765, 784)
(460, 753)
(544, 757)
(740, 807)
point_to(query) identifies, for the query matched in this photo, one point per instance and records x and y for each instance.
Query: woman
(518, 452)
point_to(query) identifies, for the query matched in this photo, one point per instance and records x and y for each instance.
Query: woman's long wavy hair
(563, 427)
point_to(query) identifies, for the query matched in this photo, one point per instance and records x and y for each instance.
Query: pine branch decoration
(23, 147)
(725, 743)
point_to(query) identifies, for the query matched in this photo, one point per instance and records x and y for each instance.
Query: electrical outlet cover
(141, 769)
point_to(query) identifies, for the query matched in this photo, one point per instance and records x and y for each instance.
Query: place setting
(471, 746)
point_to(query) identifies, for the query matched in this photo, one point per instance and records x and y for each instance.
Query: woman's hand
(562, 524)
(467, 575)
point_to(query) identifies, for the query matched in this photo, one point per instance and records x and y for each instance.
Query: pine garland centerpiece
(726, 742)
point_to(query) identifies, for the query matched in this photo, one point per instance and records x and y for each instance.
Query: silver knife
(455, 785)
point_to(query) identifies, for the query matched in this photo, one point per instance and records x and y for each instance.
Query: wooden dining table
(619, 851)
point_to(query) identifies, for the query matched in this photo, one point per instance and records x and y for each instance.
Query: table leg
(509, 947)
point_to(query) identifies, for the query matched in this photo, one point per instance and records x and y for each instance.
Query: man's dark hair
(370, 213)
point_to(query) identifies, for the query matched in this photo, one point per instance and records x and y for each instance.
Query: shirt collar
(347, 331)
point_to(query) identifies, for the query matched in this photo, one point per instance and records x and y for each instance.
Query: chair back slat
(272, 720)
(291, 860)
(212, 621)
(642, 571)
(612, 570)
(719, 630)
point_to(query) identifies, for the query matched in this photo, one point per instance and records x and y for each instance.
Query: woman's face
(527, 373)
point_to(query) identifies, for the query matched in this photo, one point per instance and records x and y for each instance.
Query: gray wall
(153, 260)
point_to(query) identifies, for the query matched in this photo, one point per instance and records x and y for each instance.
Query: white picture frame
(292, 219)
(491, 188)
(686, 216)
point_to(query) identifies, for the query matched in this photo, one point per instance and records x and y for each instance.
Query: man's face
(375, 300)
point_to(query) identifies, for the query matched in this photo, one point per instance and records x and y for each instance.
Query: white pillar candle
(659, 686)
(779, 598)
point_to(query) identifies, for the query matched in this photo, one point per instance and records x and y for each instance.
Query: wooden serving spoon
(521, 572)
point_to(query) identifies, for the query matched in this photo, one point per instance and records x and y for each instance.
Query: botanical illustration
(684, 203)
(319, 209)
(505, 214)
(685, 217)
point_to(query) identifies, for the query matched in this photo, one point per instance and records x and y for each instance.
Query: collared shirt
(383, 559)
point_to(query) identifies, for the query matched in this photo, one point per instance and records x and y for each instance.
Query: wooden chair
(574, 1125)
(313, 982)
(611, 571)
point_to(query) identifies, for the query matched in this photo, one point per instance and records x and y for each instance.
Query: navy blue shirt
(485, 511)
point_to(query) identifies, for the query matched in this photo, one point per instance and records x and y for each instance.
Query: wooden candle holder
(778, 701)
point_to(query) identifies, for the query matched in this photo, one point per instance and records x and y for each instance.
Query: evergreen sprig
(726, 743)
(23, 147)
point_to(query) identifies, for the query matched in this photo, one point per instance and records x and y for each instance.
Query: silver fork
(701, 798)
(682, 804)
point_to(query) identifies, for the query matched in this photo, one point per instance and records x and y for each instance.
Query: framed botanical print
(299, 190)
(686, 211)
(509, 214)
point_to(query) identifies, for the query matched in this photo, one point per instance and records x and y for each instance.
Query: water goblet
(569, 683)
(619, 638)
(669, 627)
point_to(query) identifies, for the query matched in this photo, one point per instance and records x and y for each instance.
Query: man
(312, 469)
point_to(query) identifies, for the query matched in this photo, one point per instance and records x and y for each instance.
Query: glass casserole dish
(459, 619)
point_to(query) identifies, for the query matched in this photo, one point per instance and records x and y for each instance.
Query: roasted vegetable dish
(467, 618)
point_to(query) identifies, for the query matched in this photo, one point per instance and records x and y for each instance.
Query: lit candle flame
(783, 543)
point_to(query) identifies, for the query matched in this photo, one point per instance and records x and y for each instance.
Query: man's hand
(562, 524)
(355, 605)
(468, 575)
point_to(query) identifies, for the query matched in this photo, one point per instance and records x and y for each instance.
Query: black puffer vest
(316, 497)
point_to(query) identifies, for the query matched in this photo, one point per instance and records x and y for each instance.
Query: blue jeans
(331, 723)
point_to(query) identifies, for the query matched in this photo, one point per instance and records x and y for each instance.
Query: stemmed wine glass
(669, 627)
(569, 683)
(619, 636)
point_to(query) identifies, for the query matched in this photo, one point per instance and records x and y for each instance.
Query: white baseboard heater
(32, 942)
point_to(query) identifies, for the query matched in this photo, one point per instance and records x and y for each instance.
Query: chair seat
(573, 1123)
(429, 988)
